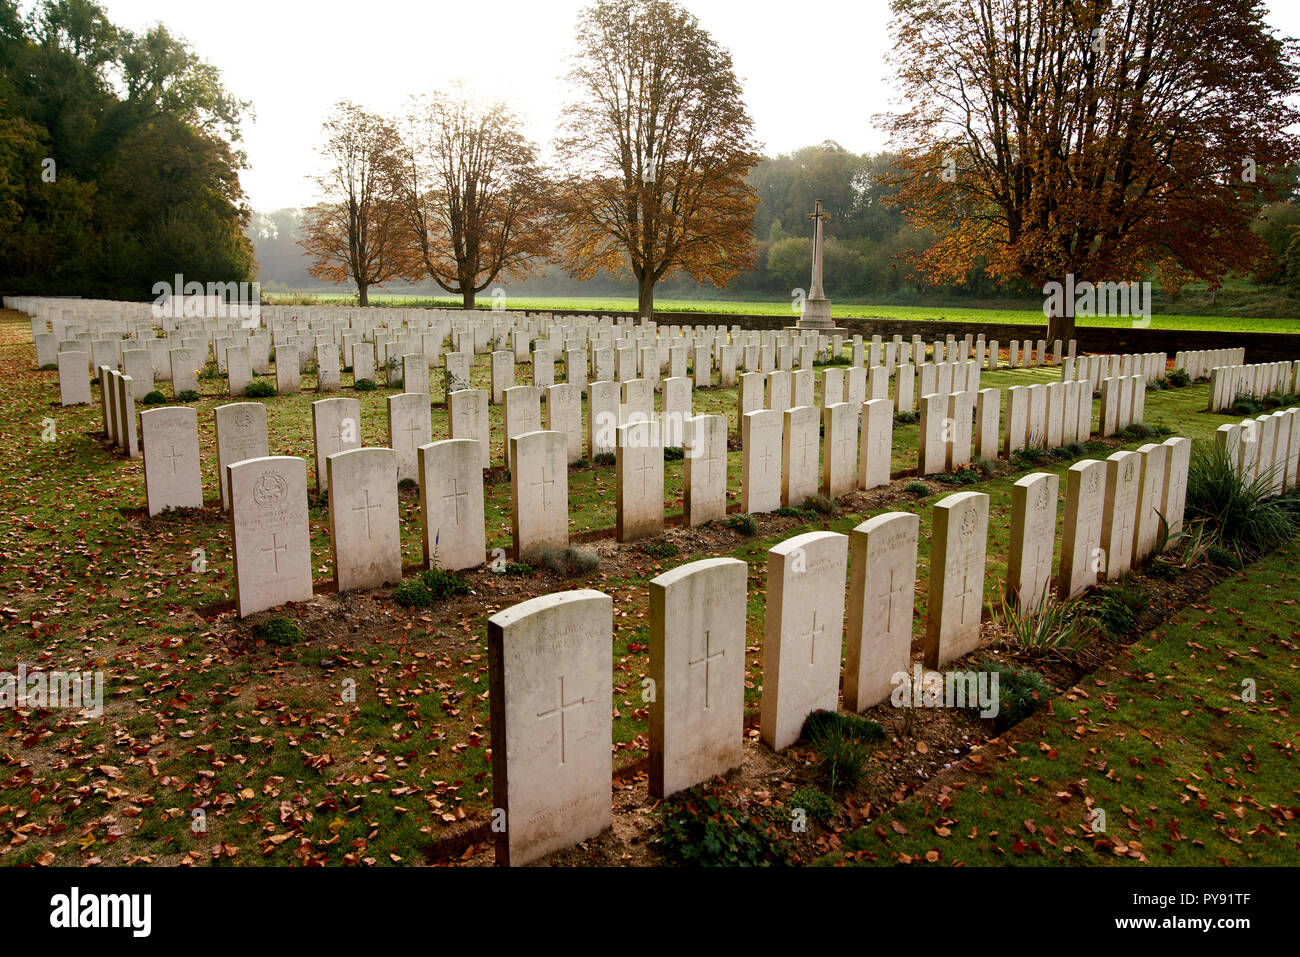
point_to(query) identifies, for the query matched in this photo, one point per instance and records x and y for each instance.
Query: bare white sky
(811, 69)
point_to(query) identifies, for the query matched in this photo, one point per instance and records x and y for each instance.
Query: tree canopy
(119, 158)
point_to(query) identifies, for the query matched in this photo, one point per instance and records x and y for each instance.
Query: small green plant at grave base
(792, 511)
(744, 523)
(1240, 515)
(660, 549)
(1055, 627)
(364, 385)
(1178, 379)
(674, 453)
(1029, 456)
(53, 365)
(987, 467)
(701, 831)
(278, 631)
(1060, 453)
(579, 464)
(816, 804)
(1222, 557)
(188, 395)
(1156, 385)
(1243, 405)
(259, 389)
(429, 587)
(310, 368)
(843, 743)
(605, 458)
(917, 487)
(821, 504)
(1163, 569)
(154, 398)
(834, 361)
(569, 562)
(408, 485)
(1277, 400)
(1020, 691)
(210, 371)
(515, 568)
(1118, 612)
(1076, 450)
(963, 476)
(907, 418)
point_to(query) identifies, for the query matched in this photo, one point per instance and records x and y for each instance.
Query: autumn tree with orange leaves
(657, 147)
(474, 196)
(358, 233)
(1111, 139)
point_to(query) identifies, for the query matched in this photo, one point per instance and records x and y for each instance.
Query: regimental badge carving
(1128, 472)
(968, 522)
(270, 490)
(1094, 482)
(1040, 503)
(243, 419)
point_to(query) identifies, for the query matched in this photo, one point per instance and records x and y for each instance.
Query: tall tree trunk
(363, 294)
(468, 297)
(1060, 327)
(645, 305)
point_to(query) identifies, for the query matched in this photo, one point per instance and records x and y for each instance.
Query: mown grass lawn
(257, 737)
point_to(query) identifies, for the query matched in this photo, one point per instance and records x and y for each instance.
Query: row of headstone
(1123, 403)
(1028, 354)
(788, 457)
(1265, 450)
(1047, 415)
(1229, 383)
(117, 400)
(1197, 363)
(1094, 368)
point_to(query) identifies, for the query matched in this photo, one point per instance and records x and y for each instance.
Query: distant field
(1030, 316)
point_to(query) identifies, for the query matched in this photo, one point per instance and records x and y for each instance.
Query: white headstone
(550, 666)
(803, 628)
(451, 504)
(270, 531)
(882, 589)
(170, 437)
(958, 546)
(697, 664)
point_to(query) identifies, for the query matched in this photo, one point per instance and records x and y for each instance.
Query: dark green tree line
(119, 158)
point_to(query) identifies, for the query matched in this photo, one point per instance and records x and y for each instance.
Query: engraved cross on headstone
(707, 661)
(275, 548)
(456, 495)
(895, 589)
(813, 632)
(171, 456)
(544, 483)
(562, 709)
(966, 592)
(365, 509)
